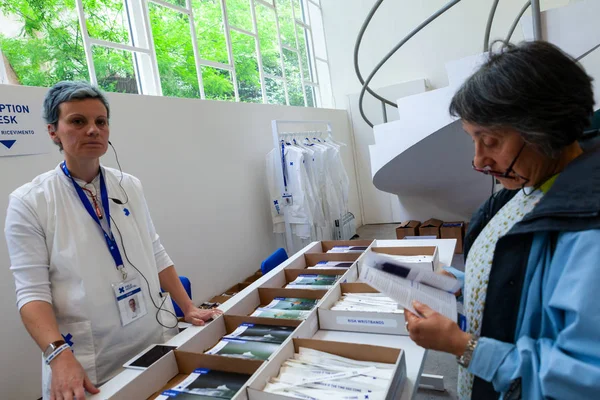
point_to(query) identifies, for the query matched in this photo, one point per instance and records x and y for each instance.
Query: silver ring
(406, 325)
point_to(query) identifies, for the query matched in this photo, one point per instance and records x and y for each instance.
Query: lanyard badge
(109, 238)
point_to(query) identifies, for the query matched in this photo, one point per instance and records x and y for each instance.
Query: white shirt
(59, 255)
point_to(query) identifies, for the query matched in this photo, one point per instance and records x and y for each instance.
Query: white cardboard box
(431, 251)
(326, 245)
(349, 275)
(349, 350)
(263, 296)
(175, 366)
(358, 321)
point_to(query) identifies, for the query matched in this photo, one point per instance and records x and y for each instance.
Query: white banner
(22, 129)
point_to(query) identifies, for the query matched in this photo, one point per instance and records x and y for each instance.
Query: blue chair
(188, 288)
(273, 260)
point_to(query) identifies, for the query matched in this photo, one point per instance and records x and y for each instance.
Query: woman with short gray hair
(82, 247)
(533, 250)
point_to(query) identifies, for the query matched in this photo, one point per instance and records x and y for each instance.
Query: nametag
(130, 300)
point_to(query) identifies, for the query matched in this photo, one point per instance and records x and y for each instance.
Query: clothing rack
(288, 198)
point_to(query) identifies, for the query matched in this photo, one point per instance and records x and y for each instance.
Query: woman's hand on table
(434, 331)
(197, 316)
(69, 380)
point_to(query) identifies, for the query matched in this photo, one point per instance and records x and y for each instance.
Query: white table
(445, 247)
(415, 355)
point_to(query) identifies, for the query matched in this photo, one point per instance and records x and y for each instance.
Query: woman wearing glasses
(532, 253)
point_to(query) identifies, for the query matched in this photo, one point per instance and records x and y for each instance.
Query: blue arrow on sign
(8, 143)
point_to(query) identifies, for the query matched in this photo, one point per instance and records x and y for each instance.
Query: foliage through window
(259, 51)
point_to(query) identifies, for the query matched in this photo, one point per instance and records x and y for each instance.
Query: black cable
(158, 308)
(121, 178)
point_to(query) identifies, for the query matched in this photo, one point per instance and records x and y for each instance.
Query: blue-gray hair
(67, 91)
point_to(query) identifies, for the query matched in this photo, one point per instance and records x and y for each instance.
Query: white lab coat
(59, 255)
(318, 182)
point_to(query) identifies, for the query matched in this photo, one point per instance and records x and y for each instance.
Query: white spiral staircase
(425, 156)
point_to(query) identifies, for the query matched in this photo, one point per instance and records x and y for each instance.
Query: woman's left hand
(197, 316)
(434, 331)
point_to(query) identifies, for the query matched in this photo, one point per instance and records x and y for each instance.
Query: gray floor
(436, 363)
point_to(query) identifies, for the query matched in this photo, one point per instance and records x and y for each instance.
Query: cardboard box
(454, 230)
(238, 287)
(174, 367)
(431, 227)
(188, 362)
(358, 321)
(408, 228)
(313, 259)
(432, 251)
(327, 245)
(225, 324)
(263, 296)
(252, 278)
(220, 299)
(349, 275)
(360, 352)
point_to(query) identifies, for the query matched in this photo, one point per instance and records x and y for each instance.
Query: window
(259, 51)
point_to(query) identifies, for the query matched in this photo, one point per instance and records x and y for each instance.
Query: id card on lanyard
(128, 293)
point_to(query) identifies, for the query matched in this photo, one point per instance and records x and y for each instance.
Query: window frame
(145, 61)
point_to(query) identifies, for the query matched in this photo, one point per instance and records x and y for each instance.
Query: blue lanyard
(113, 248)
(283, 164)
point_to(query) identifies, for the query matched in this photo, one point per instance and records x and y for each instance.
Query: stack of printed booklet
(253, 342)
(332, 265)
(348, 249)
(203, 383)
(366, 302)
(313, 281)
(314, 374)
(286, 308)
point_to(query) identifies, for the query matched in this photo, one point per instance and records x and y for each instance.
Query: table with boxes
(296, 332)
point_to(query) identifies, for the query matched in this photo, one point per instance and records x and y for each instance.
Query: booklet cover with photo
(207, 383)
(281, 314)
(332, 265)
(173, 394)
(309, 281)
(348, 249)
(289, 303)
(261, 333)
(244, 349)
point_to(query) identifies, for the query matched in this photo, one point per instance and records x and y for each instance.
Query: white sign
(22, 129)
(381, 322)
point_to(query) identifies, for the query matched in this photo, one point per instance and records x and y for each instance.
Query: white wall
(456, 34)
(202, 164)
(377, 206)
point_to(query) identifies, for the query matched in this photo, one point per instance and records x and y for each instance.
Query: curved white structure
(425, 156)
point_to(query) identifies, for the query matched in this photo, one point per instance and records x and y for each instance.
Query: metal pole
(384, 110)
(537, 19)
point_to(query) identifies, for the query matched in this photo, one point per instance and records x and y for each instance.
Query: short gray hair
(533, 88)
(66, 91)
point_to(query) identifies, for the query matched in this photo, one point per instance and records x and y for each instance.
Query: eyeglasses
(505, 174)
